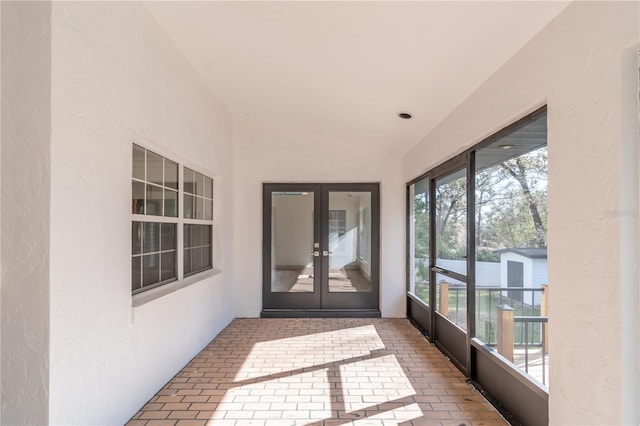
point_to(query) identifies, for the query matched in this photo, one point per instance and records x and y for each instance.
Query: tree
(523, 169)
(511, 209)
(421, 225)
(451, 219)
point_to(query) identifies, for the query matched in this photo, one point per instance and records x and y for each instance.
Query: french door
(320, 249)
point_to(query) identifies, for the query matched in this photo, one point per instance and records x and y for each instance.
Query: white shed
(523, 267)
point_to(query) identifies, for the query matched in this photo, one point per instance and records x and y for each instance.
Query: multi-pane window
(159, 254)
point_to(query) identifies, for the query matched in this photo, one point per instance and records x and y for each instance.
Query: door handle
(326, 253)
(315, 253)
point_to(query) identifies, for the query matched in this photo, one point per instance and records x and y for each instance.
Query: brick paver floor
(318, 372)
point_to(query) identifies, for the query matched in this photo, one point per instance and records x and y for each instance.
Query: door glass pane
(451, 300)
(292, 266)
(419, 239)
(511, 254)
(349, 251)
(451, 222)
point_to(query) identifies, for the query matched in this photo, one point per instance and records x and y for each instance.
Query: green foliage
(421, 226)
(484, 255)
(422, 270)
(511, 204)
(511, 210)
(448, 250)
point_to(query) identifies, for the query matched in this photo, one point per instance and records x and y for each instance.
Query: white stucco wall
(267, 154)
(575, 65)
(26, 132)
(116, 77)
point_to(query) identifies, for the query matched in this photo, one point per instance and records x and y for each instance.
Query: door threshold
(320, 313)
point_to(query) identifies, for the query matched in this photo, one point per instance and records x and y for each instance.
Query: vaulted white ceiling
(343, 70)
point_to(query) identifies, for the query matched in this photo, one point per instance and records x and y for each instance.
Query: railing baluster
(526, 346)
(543, 353)
(457, 305)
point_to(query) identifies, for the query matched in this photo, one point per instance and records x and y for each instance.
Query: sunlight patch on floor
(293, 353)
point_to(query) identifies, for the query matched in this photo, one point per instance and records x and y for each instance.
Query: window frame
(179, 220)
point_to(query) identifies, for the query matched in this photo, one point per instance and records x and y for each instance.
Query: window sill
(156, 293)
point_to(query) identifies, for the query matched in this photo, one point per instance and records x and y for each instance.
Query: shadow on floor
(318, 372)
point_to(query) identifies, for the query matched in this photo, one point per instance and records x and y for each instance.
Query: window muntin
(159, 253)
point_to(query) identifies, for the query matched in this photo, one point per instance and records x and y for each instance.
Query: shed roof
(532, 253)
